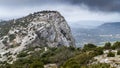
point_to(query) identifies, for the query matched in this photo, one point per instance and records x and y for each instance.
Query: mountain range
(107, 32)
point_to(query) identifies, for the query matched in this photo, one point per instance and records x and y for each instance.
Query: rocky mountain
(45, 28)
(99, 35)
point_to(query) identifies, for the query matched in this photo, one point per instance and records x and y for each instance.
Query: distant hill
(109, 28)
(99, 35)
(112, 24)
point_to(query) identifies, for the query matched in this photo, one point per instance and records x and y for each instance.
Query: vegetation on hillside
(64, 57)
(110, 54)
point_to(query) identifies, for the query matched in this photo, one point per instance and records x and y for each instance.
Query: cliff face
(51, 30)
(45, 28)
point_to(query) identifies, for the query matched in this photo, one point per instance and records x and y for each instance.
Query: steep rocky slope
(45, 28)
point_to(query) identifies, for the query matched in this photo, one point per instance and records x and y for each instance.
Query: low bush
(118, 52)
(22, 54)
(110, 54)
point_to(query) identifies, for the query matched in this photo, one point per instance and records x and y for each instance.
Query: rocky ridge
(45, 28)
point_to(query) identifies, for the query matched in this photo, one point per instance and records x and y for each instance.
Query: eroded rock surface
(45, 28)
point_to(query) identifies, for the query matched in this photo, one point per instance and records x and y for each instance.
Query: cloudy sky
(75, 11)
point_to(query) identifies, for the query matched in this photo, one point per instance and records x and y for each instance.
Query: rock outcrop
(45, 28)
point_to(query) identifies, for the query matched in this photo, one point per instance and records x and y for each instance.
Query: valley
(99, 35)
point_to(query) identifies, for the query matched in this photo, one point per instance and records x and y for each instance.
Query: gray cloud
(103, 5)
(26, 3)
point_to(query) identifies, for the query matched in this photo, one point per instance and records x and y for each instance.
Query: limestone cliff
(45, 28)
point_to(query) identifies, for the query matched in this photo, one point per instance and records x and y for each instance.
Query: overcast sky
(74, 11)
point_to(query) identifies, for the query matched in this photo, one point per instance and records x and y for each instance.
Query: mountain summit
(45, 28)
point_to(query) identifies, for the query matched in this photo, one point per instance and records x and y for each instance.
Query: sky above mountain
(75, 11)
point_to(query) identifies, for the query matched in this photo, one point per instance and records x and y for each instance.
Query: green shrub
(99, 51)
(37, 64)
(89, 46)
(118, 52)
(107, 45)
(58, 55)
(79, 60)
(22, 54)
(71, 48)
(99, 65)
(5, 41)
(12, 37)
(110, 54)
(116, 45)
